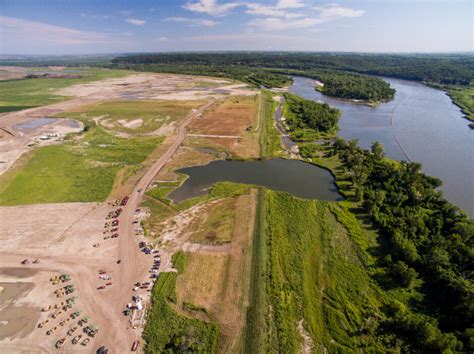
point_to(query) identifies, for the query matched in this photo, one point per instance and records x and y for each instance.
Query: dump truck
(71, 330)
(76, 339)
(60, 343)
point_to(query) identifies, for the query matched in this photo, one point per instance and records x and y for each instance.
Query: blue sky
(111, 26)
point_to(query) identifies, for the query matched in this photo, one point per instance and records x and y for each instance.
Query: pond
(299, 178)
(34, 124)
(421, 124)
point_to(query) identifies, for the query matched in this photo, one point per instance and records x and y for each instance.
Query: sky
(119, 26)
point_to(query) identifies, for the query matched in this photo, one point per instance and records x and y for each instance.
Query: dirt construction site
(74, 276)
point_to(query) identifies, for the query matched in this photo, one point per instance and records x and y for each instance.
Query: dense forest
(355, 86)
(445, 69)
(347, 85)
(302, 115)
(429, 249)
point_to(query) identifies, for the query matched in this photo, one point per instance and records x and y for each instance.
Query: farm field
(18, 94)
(230, 126)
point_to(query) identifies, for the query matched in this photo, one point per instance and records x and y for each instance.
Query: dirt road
(134, 264)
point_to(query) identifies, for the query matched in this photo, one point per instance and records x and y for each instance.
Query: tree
(377, 150)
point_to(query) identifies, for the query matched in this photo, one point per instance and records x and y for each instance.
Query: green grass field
(309, 269)
(76, 171)
(28, 93)
(269, 137)
(168, 331)
(154, 114)
(464, 97)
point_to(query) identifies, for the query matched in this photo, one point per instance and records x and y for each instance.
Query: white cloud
(262, 10)
(163, 39)
(13, 27)
(192, 21)
(211, 7)
(279, 24)
(290, 4)
(280, 9)
(336, 11)
(298, 20)
(135, 21)
(95, 17)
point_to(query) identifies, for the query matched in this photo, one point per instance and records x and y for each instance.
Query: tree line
(436, 68)
(430, 247)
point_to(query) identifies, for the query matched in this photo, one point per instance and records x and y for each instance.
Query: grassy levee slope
(76, 171)
(21, 94)
(166, 331)
(463, 96)
(269, 136)
(307, 268)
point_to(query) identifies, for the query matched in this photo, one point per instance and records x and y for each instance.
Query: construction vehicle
(76, 339)
(56, 314)
(51, 331)
(44, 323)
(102, 350)
(91, 331)
(60, 343)
(83, 321)
(71, 330)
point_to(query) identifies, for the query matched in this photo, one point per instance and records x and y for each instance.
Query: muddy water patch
(34, 124)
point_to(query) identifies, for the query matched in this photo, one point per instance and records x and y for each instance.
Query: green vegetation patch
(463, 96)
(166, 331)
(312, 273)
(28, 93)
(307, 119)
(76, 171)
(216, 225)
(270, 143)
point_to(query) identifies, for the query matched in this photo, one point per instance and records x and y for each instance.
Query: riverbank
(412, 127)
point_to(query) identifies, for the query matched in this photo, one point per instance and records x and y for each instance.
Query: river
(420, 124)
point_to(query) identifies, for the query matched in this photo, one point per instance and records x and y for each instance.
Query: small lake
(34, 124)
(296, 177)
(420, 124)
